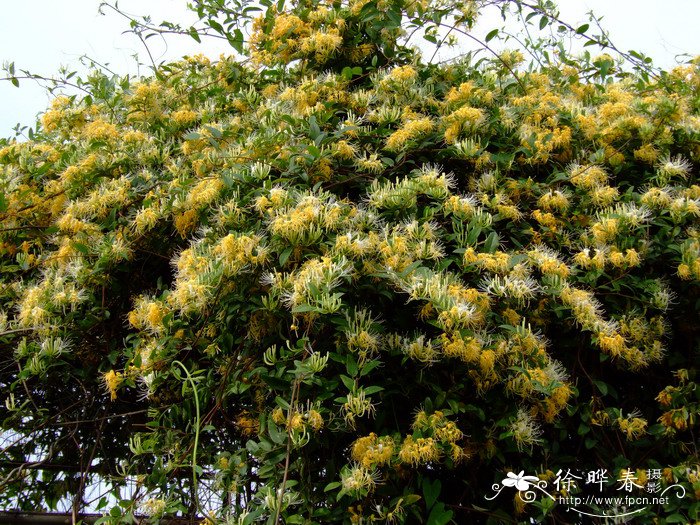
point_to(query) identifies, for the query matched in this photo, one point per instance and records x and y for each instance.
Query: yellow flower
(135, 319)
(447, 431)
(296, 422)
(100, 130)
(184, 117)
(587, 176)
(461, 93)
(278, 416)
(545, 219)
(604, 195)
(684, 271)
(419, 451)
(203, 193)
(617, 259)
(358, 479)
(647, 153)
(323, 44)
(247, 425)
(467, 350)
(613, 344)
(632, 257)
(411, 130)
(487, 360)
(403, 73)
(553, 200)
(464, 120)
(605, 230)
(146, 219)
(112, 381)
(371, 451)
(315, 419)
(154, 315)
(633, 427)
(344, 150)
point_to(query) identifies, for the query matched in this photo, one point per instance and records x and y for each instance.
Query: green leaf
(275, 382)
(253, 516)
(332, 486)
(314, 130)
(282, 403)
(473, 234)
(491, 242)
(369, 366)
(237, 40)
(215, 132)
(439, 516)
(603, 387)
(194, 34)
(351, 366)
(276, 435)
(410, 499)
(431, 491)
(304, 308)
(582, 29)
(80, 247)
(216, 26)
(543, 22)
(410, 268)
(313, 150)
(348, 382)
(676, 518)
(492, 34)
(284, 256)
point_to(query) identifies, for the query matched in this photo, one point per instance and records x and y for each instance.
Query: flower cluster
(424, 251)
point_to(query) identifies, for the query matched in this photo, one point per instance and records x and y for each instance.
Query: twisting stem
(196, 435)
(280, 496)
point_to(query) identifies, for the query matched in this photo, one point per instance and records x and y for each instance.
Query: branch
(604, 44)
(485, 46)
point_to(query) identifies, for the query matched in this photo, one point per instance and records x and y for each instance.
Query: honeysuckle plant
(326, 280)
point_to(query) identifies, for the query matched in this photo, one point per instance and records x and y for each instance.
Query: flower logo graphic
(523, 484)
(519, 481)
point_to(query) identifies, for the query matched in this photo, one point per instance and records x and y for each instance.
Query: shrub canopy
(337, 283)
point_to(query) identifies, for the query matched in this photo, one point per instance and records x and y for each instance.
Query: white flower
(670, 167)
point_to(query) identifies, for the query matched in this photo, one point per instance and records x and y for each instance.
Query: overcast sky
(42, 35)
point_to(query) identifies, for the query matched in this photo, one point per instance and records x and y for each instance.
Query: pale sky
(42, 35)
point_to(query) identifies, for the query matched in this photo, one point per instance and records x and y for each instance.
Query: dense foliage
(336, 283)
